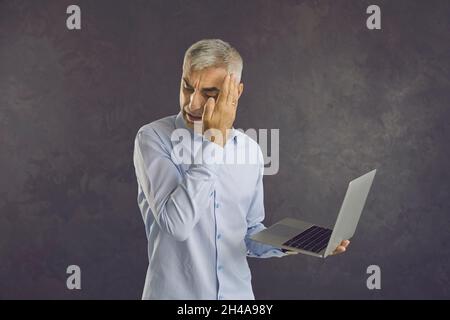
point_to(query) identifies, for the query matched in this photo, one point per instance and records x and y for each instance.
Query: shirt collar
(180, 123)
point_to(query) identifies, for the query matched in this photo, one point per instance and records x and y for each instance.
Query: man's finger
(345, 243)
(230, 98)
(208, 109)
(235, 95)
(339, 249)
(223, 95)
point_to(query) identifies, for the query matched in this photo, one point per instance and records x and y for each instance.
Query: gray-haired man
(198, 216)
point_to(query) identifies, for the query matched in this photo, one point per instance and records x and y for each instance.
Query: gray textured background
(346, 99)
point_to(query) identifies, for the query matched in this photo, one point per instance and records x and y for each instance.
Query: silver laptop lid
(351, 209)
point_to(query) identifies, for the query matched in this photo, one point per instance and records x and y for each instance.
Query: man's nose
(197, 102)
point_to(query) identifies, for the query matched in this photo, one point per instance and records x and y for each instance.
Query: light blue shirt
(198, 216)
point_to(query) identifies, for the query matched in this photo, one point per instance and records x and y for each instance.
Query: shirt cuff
(276, 252)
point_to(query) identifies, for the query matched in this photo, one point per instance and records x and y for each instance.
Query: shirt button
(220, 297)
(217, 205)
(219, 236)
(220, 268)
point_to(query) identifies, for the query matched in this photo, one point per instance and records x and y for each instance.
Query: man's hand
(218, 116)
(342, 247)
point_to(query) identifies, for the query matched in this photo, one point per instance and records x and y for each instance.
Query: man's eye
(189, 89)
(212, 94)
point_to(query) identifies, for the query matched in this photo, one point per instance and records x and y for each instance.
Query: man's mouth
(192, 118)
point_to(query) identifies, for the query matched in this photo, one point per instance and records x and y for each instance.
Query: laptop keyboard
(313, 239)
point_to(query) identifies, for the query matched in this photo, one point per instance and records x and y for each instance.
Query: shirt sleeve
(177, 201)
(255, 217)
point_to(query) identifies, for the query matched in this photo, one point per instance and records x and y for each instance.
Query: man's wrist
(209, 153)
(217, 136)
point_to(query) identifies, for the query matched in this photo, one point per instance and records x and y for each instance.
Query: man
(199, 215)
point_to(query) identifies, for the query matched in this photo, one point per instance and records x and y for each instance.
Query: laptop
(311, 239)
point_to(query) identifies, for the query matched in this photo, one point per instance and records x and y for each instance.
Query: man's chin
(189, 123)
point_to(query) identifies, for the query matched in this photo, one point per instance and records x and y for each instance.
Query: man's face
(196, 87)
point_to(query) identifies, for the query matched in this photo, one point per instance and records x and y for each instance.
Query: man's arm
(176, 202)
(255, 216)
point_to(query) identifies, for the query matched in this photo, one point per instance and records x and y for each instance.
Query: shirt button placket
(219, 267)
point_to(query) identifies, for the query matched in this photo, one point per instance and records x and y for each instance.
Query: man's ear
(240, 89)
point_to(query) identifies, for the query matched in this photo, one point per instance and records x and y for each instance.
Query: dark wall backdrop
(346, 100)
